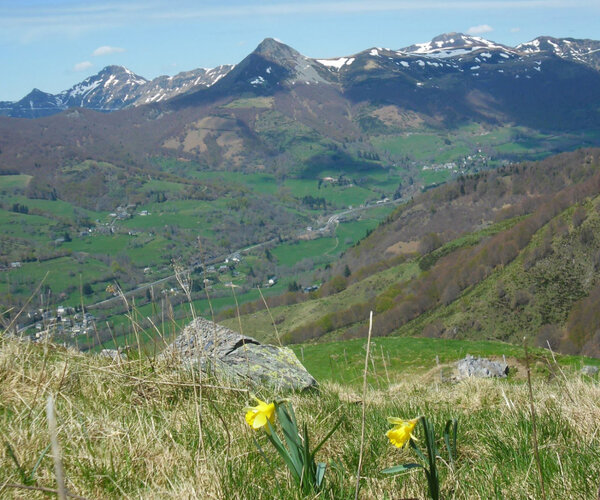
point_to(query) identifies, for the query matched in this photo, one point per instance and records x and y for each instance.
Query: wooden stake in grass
(364, 395)
(387, 375)
(536, 452)
(58, 470)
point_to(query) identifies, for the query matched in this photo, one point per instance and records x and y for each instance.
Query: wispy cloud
(107, 50)
(480, 29)
(515, 30)
(30, 23)
(82, 66)
(338, 7)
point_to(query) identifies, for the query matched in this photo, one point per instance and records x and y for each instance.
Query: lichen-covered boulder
(241, 359)
(480, 367)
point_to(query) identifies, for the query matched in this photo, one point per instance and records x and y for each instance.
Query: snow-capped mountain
(34, 104)
(445, 53)
(111, 89)
(451, 62)
(165, 87)
(454, 45)
(447, 83)
(114, 87)
(581, 51)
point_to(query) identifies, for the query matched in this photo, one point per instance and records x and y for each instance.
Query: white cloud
(515, 30)
(106, 50)
(480, 30)
(82, 66)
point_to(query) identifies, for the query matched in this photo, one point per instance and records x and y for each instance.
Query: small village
(65, 321)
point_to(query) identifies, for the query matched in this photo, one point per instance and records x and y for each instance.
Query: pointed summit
(271, 66)
(35, 104)
(278, 52)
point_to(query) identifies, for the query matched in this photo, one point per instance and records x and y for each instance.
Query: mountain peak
(37, 92)
(116, 70)
(276, 50)
(581, 51)
(450, 44)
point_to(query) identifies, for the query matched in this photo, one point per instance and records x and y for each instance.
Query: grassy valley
(142, 220)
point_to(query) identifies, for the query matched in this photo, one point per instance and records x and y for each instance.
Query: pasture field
(11, 182)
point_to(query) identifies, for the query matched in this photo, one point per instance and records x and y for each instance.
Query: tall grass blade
(364, 395)
(13, 456)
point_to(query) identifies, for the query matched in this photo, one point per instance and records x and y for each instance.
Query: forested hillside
(497, 255)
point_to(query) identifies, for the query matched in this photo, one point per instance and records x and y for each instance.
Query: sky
(53, 44)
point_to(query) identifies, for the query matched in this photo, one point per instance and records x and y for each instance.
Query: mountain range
(111, 89)
(424, 65)
(282, 111)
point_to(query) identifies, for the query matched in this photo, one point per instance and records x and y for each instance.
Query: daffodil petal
(395, 420)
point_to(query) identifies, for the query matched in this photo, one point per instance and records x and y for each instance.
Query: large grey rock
(241, 359)
(589, 370)
(480, 367)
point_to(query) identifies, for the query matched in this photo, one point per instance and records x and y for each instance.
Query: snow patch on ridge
(336, 63)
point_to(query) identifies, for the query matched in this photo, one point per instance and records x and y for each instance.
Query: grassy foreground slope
(142, 429)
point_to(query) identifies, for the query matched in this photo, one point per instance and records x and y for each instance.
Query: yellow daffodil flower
(258, 415)
(400, 435)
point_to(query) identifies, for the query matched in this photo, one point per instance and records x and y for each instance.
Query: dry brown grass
(130, 430)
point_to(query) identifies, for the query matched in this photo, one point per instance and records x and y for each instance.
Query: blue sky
(52, 45)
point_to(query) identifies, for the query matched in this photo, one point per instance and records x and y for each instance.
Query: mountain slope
(493, 256)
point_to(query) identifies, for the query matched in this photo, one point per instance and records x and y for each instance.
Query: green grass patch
(343, 361)
(435, 176)
(61, 275)
(291, 253)
(334, 194)
(251, 102)
(11, 182)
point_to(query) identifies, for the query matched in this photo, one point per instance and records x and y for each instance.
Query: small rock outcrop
(114, 354)
(241, 359)
(481, 368)
(589, 370)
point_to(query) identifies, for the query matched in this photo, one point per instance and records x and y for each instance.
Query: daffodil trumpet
(257, 416)
(402, 431)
